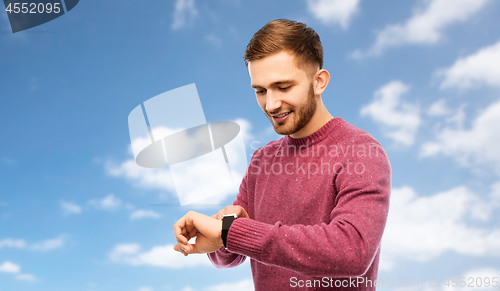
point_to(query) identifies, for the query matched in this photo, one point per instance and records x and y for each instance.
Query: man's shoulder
(348, 133)
(359, 143)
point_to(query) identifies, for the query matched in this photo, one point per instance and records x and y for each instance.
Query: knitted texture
(318, 206)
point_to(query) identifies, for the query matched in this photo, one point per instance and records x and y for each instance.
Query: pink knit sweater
(318, 207)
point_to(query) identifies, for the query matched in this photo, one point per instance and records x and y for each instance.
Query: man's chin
(282, 130)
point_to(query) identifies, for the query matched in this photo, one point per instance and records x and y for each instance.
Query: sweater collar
(315, 137)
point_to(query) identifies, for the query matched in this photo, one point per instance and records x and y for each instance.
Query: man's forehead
(274, 69)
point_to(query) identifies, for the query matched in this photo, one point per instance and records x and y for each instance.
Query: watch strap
(227, 220)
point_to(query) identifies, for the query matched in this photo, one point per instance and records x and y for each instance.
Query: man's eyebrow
(281, 82)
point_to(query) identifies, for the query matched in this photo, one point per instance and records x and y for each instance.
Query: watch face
(227, 220)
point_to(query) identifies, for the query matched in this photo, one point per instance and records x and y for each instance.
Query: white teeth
(282, 115)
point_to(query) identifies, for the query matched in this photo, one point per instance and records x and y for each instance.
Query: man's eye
(259, 91)
(285, 88)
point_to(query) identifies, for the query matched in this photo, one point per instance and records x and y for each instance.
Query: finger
(194, 250)
(228, 209)
(189, 232)
(186, 234)
(180, 238)
(234, 209)
(179, 229)
(193, 233)
(190, 228)
(240, 211)
(180, 249)
(189, 249)
(188, 237)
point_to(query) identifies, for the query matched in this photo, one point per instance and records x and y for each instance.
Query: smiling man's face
(284, 92)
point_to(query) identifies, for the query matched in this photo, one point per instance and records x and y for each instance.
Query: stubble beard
(302, 116)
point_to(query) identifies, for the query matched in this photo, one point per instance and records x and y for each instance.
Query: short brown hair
(284, 34)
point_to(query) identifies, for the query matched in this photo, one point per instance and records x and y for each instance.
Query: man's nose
(273, 102)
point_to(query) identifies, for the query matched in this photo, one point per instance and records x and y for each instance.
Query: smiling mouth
(281, 115)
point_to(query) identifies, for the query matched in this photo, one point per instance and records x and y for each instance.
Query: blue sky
(422, 77)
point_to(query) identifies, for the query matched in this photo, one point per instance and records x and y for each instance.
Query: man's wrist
(220, 242)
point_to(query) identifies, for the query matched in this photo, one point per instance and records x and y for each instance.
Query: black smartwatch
(227, 220)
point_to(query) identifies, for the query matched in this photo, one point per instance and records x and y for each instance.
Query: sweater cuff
(247, 237)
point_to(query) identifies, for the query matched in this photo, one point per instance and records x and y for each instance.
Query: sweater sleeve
(222, 258)
(345, 247)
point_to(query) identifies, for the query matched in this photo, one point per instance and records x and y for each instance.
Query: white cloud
(421, 228)
(123, 249)
(8, 267)
(438, 108)
(333, 11)
(245, 128)
(399, 120)
(185, 13)
(26, 277)
(244, 285)
(159, 256)
(480, 68)
(145, 289)
(142, 177)
(140, 213)
(49, 245)
(12, 243)
(475, 146)
(70, 208)
(426, 26)
(109, 203)
(458, 118)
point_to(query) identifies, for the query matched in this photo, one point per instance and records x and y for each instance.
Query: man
(313, 205)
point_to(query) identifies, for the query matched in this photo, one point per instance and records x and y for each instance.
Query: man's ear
(321, 80)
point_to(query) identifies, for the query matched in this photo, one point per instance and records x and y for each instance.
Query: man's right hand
(230, 209)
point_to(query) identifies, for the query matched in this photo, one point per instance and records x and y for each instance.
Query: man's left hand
(205, 229)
